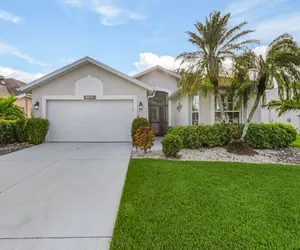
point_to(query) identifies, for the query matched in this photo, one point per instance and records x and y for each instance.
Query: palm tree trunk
(249, 119)
(221, 105)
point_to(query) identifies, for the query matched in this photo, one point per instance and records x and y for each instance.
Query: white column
(187, 110)
(170, 113)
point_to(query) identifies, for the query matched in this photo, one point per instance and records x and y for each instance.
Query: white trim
(24, 95)
(187, 110)
(170, 113)
(157, 67)
(174, 94)
(46, 98)
(77, 64)
(212, 110)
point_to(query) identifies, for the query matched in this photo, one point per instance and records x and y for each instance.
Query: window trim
(192, 112)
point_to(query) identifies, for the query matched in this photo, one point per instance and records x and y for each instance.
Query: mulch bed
(13, 147)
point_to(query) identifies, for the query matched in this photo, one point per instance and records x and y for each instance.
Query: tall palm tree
(215, 42)
(279, 66)
(283, 106)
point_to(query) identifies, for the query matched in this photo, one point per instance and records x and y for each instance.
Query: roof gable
(157, 67)
(78, 64)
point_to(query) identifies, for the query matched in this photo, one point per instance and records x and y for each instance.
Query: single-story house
(10, 86)
(90, 101)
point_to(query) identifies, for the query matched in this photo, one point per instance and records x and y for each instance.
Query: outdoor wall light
(141, 106)
(179, 107)
(36, 106)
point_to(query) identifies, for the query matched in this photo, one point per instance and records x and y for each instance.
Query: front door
(158, 112)
(154, 119)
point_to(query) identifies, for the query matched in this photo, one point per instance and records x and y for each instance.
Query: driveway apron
(61, 195)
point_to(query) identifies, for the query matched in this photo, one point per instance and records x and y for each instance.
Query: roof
(157, 67)
(12, 85)
(78, 64)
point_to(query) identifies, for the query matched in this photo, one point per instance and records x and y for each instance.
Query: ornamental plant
(144, 138)
(171, 145)
(136, 124)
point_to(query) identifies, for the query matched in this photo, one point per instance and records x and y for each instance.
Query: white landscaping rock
(286, 155)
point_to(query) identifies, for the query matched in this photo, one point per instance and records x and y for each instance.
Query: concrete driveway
(61, 195)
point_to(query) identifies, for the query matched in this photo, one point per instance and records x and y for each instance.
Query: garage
(90, 120)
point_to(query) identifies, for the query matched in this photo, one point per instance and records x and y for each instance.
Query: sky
(40, 36)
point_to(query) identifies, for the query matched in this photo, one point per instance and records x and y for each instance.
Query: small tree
(257, 74)
(8, 110)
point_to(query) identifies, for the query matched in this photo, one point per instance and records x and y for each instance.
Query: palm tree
(216, 43)
(258, 73)
(8, 110)
(283, 106)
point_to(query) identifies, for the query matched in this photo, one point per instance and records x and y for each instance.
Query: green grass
(208, 205)
(296, 144)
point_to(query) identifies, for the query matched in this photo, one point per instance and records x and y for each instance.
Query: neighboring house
(10, 86)
(90, 101)
(292, 117)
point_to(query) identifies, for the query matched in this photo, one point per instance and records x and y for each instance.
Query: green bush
(7, 131)
(21, 130)
(138, 123)
(171, 145)
(201, 136)
(259, 136)
(37, 129)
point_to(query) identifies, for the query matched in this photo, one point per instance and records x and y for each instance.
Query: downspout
(150, 96)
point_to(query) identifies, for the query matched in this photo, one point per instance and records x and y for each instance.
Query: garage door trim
(46, 98)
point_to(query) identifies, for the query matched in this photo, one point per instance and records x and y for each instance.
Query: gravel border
(13, 147)
(285, 155)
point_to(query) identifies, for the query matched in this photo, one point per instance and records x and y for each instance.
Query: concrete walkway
(61, 195)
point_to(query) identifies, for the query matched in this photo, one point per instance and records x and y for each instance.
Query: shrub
(171, 145)
(37, 129)
(144, 138)
(203, 135)
(259, 136)
(7, 131)
(21, 130)
(138, 123)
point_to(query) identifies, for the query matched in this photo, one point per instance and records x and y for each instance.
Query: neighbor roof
(157, 67)
(12, 85)
(77, 64)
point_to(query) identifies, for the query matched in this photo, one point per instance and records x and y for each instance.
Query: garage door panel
(90, 120)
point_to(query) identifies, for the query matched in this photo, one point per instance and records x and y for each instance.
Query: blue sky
(37, 37)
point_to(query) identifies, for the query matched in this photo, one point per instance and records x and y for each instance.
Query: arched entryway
(159, 112)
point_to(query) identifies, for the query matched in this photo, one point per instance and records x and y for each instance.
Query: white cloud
(7, 49)
(270, 18)
(110, 13)
(149, 60)
(4, 15)
(268, 30)
(261, 51)
(19, 75)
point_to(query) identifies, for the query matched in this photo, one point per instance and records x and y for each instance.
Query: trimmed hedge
(7, 131)
(37, 129)
(259, 136)
(171, 145)
(32, 130)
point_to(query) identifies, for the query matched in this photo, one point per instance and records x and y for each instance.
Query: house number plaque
(89, 97)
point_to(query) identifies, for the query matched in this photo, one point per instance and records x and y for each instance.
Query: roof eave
(72, 66)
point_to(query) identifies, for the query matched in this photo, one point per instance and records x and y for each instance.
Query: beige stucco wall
(179, 118)
(112, 85)
(25, 104)
(158, 78)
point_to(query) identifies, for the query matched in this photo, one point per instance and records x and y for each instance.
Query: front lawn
(296, 144)
(208, 205)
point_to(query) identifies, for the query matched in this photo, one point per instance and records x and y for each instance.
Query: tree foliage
(9, 110)
(216, 42)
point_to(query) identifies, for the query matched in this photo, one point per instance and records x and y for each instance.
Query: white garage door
(90, 120)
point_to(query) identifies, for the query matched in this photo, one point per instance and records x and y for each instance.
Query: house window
(231, 108)
(195, 109)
